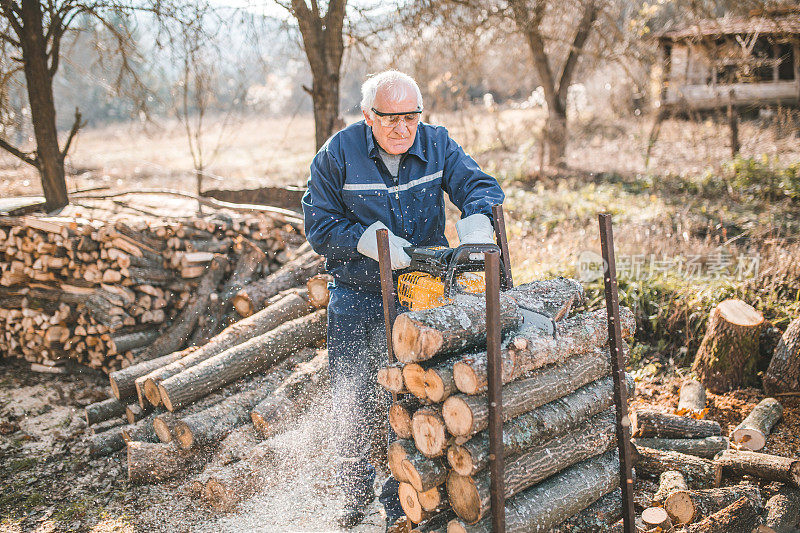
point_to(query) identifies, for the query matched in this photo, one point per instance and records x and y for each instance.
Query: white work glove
(368, 245)
(475, 229)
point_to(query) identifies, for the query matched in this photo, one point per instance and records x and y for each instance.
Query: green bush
(764, 177)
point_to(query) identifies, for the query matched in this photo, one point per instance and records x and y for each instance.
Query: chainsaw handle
(461, 255)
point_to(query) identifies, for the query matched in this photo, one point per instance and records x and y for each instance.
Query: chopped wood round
(433, 499)
(409, 501)
(743, 516)
(164, 425)
(439, 382)
(423, 473)
(728, 354)
(692, 399)
(428, 429)
(391, 379)
(656, 517)
(400, 413)
(414, 379)
(753, 431)
(783, 511)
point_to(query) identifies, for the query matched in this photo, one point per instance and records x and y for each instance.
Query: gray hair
(391, 80)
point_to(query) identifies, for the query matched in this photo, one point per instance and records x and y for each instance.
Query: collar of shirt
(416, 148)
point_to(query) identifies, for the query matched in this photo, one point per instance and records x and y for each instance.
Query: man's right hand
(368, 245)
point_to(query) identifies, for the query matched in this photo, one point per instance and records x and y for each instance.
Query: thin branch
(584, 29)
(76, 125)
(27, 157)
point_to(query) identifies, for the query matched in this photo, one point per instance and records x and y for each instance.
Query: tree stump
(783, 374)
(728, 354)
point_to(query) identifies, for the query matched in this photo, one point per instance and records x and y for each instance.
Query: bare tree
(33, 32)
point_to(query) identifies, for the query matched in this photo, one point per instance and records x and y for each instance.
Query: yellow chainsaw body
(420, 290)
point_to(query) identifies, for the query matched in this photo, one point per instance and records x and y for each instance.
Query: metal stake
(495, 393)
(618, 372)
(387, 288)
(502, 242)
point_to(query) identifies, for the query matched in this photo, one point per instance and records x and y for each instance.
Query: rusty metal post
(387, 288)
(618, 372)
(502, 242)
(495, 393)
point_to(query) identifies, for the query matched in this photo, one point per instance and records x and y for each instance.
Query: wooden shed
(746, 61)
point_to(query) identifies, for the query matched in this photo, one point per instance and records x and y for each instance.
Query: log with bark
(761, 465)
(699, 473)
(291, 306)
(400, 414)
(652, 423)
(423, 473)
(107, 442)
(399, 450)
(459, 326)
(123, 381)
(753, 431)
(470, 496)
(253, 296)
(706, 448)
(440, 383)
(292, 396)
(692, 399)
(467, 415)
(743, 516)
(153, 462)
(685, 506)
(599, 517)
(552, 501)
(783, 374)
(783, 511)
(253, 355)
(141, 431)
(211, 425)
(530, 349)
(135, 412)
(728, 354)
(228, 485)
(176, 335)
(538, 425)
(105, 410)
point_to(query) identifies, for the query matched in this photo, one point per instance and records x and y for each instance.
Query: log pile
(110, 291)
(558, 434)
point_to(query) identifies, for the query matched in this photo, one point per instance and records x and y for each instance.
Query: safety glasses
(390, 120)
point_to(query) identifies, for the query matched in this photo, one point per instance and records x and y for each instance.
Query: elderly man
(391, 171)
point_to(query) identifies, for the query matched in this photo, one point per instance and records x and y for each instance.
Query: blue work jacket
(350, 188)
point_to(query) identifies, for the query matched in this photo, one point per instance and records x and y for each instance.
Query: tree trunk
(753, 431)
(467, 415)
(728, 355)
(292, 396)
(555, 499)
(461, 325)
(253, 296)
(597, 518)
(39, 83)
(470, 496)
(651, 423)
(251, 356)
(556, 135)
(101, 411)
(692, 399)
(761, 465)
(783, 511)
(743, 516)
(154, 462)
(175, 336)
(783, 374)
(292, 306)
(685, 506)
(530, 350)
(325, 99)
(698, 472)
(541, 424)
(212, 425)
(706, 448)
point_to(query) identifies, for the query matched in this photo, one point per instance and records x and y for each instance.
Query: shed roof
(787, 25)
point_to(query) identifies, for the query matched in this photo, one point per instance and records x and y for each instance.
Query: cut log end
(679, 507)
(465, 378)
(429, 433)
(162, 430)
(183, 434)
(151, 392)
(434, 386)
(748, 438)
(165, 398)
(414, 379)
(399, 420)
(455, 526)
(409, 501)
(458, 416)
(460, 460)
(464, 497)
(656, 517)
(739, 313)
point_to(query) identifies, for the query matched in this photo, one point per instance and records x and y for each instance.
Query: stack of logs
(559, 436)
(101, 291)
(688, 455)
(217, 400)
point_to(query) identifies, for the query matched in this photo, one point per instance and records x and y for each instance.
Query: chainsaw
(438, 274)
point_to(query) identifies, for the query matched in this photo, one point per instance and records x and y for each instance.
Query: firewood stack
(559, 432)
(101, 290)
(188, 407)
